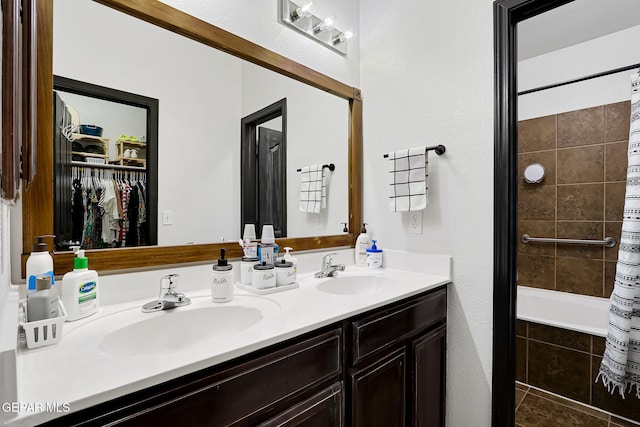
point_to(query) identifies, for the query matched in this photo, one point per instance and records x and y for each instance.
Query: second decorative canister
(263, 276)
(285, 274)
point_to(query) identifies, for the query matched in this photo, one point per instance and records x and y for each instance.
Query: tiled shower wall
(584, 153)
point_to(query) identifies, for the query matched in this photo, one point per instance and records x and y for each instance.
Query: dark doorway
(264, 169)
(271, 172)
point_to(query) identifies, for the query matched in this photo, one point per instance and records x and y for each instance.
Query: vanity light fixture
(300, 15)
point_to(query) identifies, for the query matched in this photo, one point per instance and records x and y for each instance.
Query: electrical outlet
(167, 217)
(415, 222)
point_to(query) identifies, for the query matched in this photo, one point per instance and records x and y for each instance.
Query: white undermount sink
(183, 327)
(354, 284)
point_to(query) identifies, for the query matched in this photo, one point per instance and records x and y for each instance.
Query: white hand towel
(312, 189)
(408, 179)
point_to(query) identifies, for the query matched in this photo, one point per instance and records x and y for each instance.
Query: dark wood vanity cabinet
(397, 369)
(383, 368)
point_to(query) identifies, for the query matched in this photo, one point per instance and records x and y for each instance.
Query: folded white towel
(408, 179)
(313, 192)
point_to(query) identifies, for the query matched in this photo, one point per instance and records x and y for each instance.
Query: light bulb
(327, 24)
(304, 10)
(343, 37)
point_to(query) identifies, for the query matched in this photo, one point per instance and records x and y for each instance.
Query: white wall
(8, 313)
(427, 78)
(604, 53)
(257, 21)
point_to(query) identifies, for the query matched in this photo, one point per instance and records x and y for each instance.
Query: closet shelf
(108, 166)
(84, 154)
(132, 143)
(88, 138)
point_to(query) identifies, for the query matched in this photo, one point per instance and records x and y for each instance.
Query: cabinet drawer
(325, 409)
(238, 394)
(385, 328)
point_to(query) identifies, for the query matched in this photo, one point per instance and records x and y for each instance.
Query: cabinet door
(428, 378)
(325, 409)
(378, 392)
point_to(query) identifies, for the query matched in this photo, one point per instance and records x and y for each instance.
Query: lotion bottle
(80, 289)
(39, 263)
(222, 284)
(374, 256)
(363, 242)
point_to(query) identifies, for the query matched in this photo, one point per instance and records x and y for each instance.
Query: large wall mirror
(206, 81)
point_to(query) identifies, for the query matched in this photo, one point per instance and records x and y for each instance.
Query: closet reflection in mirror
(105, 163)
(203, 94)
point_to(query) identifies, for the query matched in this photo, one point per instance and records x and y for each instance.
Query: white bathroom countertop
(78, 373)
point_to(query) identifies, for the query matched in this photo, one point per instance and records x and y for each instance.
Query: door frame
(248, 163)
(506, 15)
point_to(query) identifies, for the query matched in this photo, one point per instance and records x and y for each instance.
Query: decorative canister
(285, 274)
(263, 276)
(246, 269)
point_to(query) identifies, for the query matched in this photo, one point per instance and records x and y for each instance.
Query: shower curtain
(620, 366)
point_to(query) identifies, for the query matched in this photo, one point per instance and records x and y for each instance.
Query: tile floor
(536, 408)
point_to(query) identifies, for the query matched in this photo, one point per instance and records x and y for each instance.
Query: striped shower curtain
(620, 366)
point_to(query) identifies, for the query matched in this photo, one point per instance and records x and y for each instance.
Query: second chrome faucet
(328, 268)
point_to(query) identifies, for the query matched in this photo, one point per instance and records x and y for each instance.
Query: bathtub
(564, 310)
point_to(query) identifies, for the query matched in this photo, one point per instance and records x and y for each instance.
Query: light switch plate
(415, 222)
(167, 217)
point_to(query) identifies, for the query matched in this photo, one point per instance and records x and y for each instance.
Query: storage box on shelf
(123, 147)
(86, 141)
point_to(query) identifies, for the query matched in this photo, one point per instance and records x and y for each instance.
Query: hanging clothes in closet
(109, 208)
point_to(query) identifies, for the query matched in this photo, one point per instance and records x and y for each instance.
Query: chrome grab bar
(608, 241)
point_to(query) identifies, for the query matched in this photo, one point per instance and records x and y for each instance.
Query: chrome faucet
(328, 268)
(169, 296)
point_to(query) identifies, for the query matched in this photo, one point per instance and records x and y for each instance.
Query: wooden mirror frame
(506, 16)
(37, 204)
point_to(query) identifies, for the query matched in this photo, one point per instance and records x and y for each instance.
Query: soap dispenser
(39, 263)
(374, 256)
(222, 284)
(362, 244)
(80, 289)
(293, 260)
